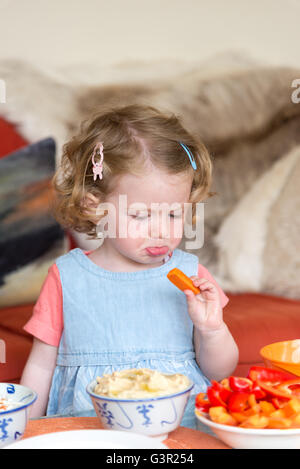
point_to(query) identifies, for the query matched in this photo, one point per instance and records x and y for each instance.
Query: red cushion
(10, 140)
(256, 320)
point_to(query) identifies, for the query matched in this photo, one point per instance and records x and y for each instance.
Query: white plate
(88, 439)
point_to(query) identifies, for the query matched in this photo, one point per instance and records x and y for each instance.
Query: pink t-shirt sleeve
(46, 322)
(203, 273)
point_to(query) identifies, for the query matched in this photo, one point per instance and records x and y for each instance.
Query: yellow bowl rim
(262, 352)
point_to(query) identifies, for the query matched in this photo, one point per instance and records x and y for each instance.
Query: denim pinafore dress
(120, 320)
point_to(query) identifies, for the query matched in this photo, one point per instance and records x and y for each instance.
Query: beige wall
(62, 32)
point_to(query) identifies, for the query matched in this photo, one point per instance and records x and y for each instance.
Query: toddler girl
(113, 308)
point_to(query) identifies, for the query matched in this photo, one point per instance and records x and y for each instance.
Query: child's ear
(90, 204)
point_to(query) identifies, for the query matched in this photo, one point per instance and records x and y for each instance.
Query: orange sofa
(254, 320)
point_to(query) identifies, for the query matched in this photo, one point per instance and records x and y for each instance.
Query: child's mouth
(157, 251)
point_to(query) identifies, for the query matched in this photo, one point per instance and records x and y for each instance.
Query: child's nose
(160, 227)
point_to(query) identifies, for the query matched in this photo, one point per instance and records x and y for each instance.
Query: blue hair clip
(190, 155)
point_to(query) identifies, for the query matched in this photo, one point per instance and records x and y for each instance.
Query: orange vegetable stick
(182, 281)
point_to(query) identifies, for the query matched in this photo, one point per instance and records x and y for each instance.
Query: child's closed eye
(139, 217)
(143, 217)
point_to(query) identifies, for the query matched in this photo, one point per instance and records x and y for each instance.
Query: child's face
(146, 228)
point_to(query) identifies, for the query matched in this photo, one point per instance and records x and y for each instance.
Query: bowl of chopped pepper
(261, 411)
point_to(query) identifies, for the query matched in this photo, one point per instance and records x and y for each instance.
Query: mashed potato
(139, 384)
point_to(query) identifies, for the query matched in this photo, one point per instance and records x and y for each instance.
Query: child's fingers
(204, 307)
(208, 291)
(206, 285)
(203, 284)
(197, 281)
(191, 296)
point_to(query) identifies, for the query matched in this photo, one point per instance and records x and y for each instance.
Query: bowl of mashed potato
(140, 400)
(15, 400)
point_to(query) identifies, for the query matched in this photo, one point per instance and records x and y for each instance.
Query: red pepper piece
(239, 401)
(204, 408)
(257, 391)
(273, 391)
(201, 400)
(240, 384)
(278, 403)
(215, 398)
(268, 374)
(291, 387)
(224, 392)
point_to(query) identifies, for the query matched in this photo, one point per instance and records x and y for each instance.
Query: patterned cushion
(30, 238)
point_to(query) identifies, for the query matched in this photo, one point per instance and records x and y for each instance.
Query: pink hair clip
(98, 167)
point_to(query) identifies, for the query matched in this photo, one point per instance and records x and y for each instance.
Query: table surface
(181, 438)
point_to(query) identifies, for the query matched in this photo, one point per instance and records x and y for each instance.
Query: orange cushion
(256, 320)
(17, 342)
(14, 318)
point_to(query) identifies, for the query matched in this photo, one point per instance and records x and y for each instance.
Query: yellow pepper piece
(279, 422)
(296, 421)
(266, 408)
(256, 421)
(292, 407)
(219, 414)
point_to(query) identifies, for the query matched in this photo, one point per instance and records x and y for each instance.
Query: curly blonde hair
(131, 136)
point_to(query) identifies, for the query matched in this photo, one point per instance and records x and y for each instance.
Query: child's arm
(37, 374)
(216, 351)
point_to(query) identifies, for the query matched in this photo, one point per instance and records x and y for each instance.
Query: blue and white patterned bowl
(13, 422)
(156, 416)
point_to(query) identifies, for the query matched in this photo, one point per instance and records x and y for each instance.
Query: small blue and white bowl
(155, 416)
(13, 421)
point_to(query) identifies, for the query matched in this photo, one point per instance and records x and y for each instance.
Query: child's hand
(205, 309)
